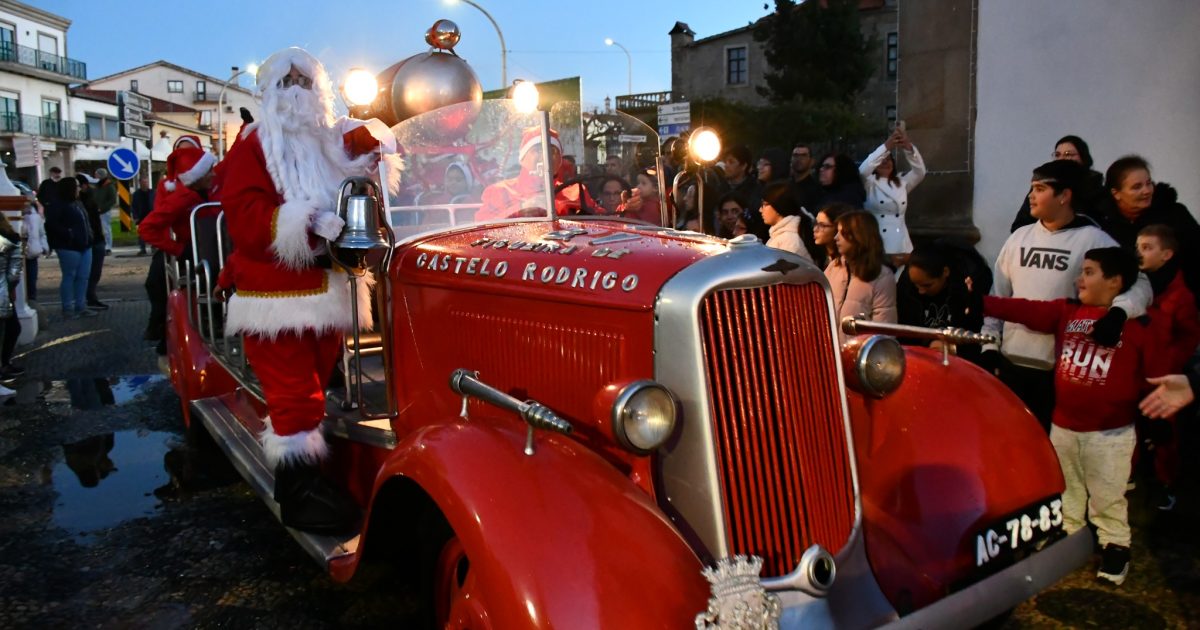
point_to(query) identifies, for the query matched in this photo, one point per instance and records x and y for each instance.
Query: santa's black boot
(309, 502)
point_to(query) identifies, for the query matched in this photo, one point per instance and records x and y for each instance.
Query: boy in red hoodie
(1097, 390)
(1175, 309)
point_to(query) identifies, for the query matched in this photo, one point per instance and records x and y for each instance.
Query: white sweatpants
(1096, 467)
(106, 227)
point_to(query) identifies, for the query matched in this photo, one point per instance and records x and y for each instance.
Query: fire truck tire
(449, 587)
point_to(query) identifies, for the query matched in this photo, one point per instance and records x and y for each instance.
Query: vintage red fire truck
(570, 418)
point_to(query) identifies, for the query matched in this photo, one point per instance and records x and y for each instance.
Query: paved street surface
(111, 521)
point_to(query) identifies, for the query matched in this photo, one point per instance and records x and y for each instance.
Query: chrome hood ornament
(739, 601)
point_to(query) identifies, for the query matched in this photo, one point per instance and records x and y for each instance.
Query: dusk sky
(546, 40)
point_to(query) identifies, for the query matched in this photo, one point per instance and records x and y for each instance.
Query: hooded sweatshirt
(785, 235)
(1039, 264)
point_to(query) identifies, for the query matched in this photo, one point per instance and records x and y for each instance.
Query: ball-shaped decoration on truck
(428, 81)
(443, 35)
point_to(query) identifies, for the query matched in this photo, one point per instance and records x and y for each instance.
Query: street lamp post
(608, 41)
(252, 69)
(503, 48)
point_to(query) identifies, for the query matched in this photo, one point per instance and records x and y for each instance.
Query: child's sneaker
(1114, 564)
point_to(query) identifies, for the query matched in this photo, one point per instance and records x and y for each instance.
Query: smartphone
(900, 125)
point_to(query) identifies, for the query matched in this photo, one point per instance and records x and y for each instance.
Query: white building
(189, 89)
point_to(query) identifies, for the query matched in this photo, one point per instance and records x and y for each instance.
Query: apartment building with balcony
(37, 129)
(192, 93)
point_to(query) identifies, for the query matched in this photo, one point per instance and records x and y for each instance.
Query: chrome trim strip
(691, 487)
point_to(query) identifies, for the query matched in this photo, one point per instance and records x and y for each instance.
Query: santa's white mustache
(297, 108)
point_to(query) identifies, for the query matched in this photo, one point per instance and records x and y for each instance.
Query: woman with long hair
(888, 189)
(825, 232)
(861, 283)
(70, 235)
(840, 183)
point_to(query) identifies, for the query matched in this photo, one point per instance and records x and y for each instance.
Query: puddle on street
(109, 478)
(84, 393)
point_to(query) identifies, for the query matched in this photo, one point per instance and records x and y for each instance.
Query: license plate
(1019, 532)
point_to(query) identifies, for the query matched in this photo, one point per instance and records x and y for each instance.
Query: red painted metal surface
(194, 372)
(777, 412)
(949, 453)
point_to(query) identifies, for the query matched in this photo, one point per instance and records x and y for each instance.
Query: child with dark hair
(783, 216)
(1174, 309)
(1097, 390)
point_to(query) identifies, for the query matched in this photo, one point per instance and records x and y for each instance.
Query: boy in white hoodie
(1040, 262)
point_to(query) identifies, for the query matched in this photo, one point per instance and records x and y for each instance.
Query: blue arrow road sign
(123, 163)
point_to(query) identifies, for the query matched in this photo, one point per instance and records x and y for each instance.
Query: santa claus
(523, 196)
(279, 187)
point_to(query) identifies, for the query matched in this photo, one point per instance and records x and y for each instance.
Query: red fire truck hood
(606, 263)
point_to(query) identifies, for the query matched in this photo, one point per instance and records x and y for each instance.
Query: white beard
(303, 149)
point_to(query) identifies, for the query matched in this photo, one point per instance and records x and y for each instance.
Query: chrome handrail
(949, 336)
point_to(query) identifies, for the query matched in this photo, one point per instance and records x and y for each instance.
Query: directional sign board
(671, 131)
(135, 130)
(134, 108)
(123, 163)
(674, 108)
(133, 100)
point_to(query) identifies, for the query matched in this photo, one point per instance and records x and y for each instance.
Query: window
(201, 90)
(133, 85)
(735, 66)
(8, 42)
(103, 128)
(893, 54)
(175, 87)
(206, 119)
(890, 112)
(51, 117)
(47, 52)
(10, 111)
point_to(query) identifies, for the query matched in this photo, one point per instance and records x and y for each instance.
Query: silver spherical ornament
(428, 81)
(443, 35)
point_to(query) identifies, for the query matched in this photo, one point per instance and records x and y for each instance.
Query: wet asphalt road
(111, 520)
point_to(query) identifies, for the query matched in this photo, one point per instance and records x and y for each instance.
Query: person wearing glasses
(825, 232)
(840, 183)
(1075, 149)
(279, 186)
(612, 188)
(888, 189)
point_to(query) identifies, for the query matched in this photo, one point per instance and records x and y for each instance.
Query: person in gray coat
(12, 262)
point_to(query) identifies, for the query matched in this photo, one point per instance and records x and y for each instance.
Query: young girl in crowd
(825, 233)
(861, 283)
(782, 214)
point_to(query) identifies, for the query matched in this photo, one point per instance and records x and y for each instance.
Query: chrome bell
(360, 211)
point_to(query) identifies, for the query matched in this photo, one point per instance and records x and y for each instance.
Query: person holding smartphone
(887, 191)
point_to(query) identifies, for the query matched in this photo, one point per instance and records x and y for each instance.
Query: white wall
(32, 91)
(26, 32)
(1124, 76)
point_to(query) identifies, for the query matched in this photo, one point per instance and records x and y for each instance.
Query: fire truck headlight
(878, 364)
(360, 87)
(644, 416)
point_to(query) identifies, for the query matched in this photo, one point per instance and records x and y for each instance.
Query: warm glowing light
(252, 68)
(360, 87)
(525, 96)
(608, 41)
(704, 145)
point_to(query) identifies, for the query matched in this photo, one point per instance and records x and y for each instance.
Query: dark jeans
(97, 267)
(12, 330)
(156, 290)
(1034, 387)
(31, 267)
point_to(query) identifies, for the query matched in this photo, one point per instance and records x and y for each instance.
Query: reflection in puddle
(85, 393)
(109, 478)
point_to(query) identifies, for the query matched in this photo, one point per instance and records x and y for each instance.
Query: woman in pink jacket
(861, 284)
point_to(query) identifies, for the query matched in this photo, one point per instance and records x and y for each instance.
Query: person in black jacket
(839, 179)
(95, 214)
(943, 286)
(1135, 201)
(47, 192)
(70, 236)
(1091, 192)
(140, 206)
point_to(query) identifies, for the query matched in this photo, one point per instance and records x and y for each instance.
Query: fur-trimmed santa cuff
(289, 234)
(306, 447)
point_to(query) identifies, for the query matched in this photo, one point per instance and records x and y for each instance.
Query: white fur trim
(291, 234)
(536, 140)
(307, 447)
(201, 168)
(169, 185)
(269, 316)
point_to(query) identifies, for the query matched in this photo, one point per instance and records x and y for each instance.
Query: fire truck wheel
(458, 599)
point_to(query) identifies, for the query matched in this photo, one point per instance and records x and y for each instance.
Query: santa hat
(193, 140)
(279, 64)
(187, 164)
(533, 137)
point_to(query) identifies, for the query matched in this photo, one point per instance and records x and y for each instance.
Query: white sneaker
(4, 391)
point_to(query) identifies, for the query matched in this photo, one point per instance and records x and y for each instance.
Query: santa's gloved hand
(247, 117)
(1107, 330)
(327, 225)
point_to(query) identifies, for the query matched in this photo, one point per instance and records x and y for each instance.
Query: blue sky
(546, 40)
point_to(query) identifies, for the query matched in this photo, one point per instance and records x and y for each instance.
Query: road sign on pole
(123, 163)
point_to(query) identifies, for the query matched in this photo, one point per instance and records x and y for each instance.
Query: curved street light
(252, 69)
(503, 48)
(608, 41)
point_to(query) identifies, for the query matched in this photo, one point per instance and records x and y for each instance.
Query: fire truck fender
(194, 372)
(948, 454)
(559, 538)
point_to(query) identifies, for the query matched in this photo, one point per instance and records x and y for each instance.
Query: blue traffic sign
(123, 163)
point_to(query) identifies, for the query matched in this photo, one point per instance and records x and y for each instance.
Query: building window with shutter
(175, 87)
(736, 66)
(133, 85)
(893, 54)
(10, 111)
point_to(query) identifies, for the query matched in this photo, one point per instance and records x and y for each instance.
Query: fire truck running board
(245, 452)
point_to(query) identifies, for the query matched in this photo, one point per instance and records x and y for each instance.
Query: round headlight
(643, 416)
(879, 365)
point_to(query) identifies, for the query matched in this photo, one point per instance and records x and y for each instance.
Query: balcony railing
(648, 100)
(50, 62)
(203, 96)
(42, 126)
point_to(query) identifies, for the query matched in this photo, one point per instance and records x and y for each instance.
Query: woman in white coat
(887, 192)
